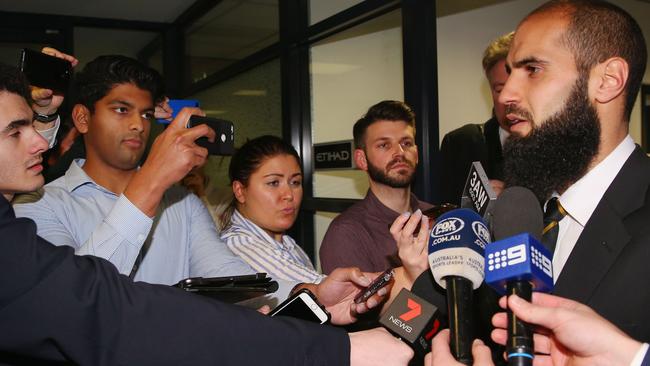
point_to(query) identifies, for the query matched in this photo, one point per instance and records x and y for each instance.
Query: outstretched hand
(337, 291)
(568, 333)
(412, 250)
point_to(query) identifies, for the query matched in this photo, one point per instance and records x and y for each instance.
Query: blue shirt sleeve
(118, 238)
(209, 255)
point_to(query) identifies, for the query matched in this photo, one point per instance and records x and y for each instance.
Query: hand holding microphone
(516, 263)
(573, 334)
(569, 333)
(456, 246)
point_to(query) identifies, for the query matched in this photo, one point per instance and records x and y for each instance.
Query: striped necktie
(552, 216)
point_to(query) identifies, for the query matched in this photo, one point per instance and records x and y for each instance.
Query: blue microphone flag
(519, 257)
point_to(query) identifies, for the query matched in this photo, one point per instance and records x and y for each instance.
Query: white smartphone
(302, 305)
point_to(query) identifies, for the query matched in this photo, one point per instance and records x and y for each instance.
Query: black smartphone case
(224, 143)
(45, 71)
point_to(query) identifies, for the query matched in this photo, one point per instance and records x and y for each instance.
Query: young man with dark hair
(108, 206)
(478, 142)
(385, 148)
(575, 70)
(56, 307)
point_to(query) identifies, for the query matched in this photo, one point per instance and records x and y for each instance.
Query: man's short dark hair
(599, 30)
(14, 81)
(104, 73)
(387, 110)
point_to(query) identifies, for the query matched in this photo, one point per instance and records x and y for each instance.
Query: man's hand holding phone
(46, 101)
(338, 290)
(173, 154)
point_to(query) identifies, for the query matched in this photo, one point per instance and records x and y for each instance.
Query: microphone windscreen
(456, 246)
(516, 211)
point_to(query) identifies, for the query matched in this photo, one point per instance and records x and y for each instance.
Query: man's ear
(81, 117)
(611, 79)
(238, 190)
(360, 159)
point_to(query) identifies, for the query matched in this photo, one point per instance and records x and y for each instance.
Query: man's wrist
(313, 288)
(45, 117)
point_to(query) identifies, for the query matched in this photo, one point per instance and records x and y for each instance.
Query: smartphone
(224, 143)
(302, 305)
(433, 213)
(381, 281)
(45, 71)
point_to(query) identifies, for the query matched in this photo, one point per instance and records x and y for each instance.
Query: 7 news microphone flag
(413, 320)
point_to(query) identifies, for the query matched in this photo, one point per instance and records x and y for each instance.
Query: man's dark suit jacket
(609, 267)
(56, 307)
(461, 147)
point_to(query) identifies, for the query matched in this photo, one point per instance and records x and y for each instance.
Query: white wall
(350, 72)
(463, 91)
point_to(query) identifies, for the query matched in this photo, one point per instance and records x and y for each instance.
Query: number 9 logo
(517, 254)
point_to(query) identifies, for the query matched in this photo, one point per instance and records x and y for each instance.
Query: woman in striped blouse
(266, 179)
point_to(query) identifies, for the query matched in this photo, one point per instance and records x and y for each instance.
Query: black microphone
(456, 246)
(516, 262)
(414, 320)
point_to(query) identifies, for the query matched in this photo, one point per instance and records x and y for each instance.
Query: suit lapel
(605, 234)
(599, 244)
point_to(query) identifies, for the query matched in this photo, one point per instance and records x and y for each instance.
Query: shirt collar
(76, 177)
(503, 135)
(582, 197)
(238, 220)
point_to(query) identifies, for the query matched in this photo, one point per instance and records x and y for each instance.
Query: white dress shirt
(581, 199)
(503, 135)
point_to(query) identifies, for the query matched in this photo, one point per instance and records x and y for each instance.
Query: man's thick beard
(378, 175)
(558, 152)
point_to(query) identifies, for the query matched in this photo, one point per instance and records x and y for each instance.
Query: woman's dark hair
(248, 158)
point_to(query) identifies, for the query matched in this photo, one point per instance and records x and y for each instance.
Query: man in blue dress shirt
(108, 206)
(56, 307)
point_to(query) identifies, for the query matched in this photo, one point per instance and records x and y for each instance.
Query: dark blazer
(461, 147)
(56, 307)
(609, 267)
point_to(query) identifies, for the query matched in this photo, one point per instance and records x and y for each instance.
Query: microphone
(516, 263)
(456, 246)
(414, 320)
(478, 194)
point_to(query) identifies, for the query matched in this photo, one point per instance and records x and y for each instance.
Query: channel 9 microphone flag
(456, 248)
(516, 263)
